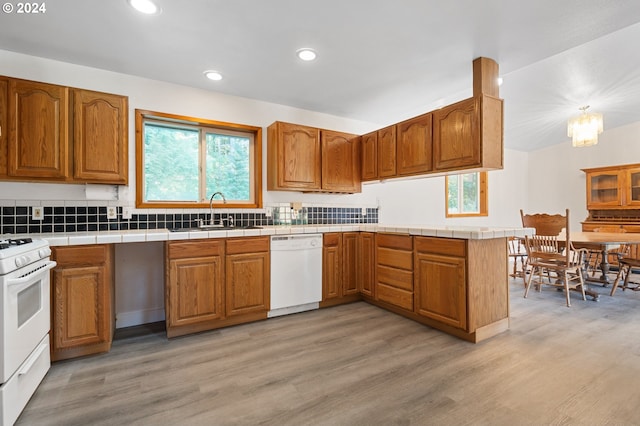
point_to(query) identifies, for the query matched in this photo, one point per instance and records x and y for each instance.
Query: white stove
(24, 322)
(18, 252)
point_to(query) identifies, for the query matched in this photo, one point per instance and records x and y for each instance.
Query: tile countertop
(134, 236)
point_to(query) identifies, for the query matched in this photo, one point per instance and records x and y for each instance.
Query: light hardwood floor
(360, 365)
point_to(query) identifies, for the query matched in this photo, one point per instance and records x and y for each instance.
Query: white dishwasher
(296, 273)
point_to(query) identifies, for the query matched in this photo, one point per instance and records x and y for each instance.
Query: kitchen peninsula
(454, 279)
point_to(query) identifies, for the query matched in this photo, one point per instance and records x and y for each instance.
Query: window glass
(466, 194)
(181, 162)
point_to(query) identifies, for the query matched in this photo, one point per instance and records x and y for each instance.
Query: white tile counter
(134, 236)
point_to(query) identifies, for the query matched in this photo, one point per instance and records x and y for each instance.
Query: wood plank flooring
(360, 365)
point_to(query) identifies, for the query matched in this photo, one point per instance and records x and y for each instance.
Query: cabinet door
(293, 157)
(38, 130)
(633, 187)
(81, 301)
(349, 263)
(414, 145)
(247, 283)
(456, 136)
(340, 162)
(366, 264)
(331, 266)
(440, 289)
(604, 189)
(4, 124)
(194, 290)
(387, 151)
(369, 155)
(100, 137)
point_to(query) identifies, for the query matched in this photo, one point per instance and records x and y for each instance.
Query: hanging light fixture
(585, 128)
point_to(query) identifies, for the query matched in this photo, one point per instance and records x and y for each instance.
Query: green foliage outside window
(174, 171)
(463, 193)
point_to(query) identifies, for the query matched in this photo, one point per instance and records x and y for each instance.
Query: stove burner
(14, 242)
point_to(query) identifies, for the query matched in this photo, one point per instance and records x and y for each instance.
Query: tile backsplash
(17, 219)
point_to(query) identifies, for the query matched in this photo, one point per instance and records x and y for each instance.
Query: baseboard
(129, 319)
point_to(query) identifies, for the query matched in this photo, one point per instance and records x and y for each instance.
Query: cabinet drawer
(195, 248)
(398, 242)
(395, 258)
(395, 277)
(446, 246)
(247, 245)
(395, 296)
(80, 255)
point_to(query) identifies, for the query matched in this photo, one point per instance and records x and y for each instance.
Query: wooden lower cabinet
(247, 276)
(340, 268)
(82, 295)
(366, 263)
(394, 270)
(440, 280)
(194, 286)
(214, 283)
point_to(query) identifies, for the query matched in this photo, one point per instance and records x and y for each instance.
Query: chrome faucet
(224, 201)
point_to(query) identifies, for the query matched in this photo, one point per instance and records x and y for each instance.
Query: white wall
(555, 180)
(422, 201)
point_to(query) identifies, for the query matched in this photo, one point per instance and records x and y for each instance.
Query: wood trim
(484, 197)
(257, 159)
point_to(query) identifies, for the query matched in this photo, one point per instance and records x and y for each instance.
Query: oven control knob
(21, 261)
(44, 252)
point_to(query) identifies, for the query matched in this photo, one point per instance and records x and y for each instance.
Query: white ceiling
(378, 61)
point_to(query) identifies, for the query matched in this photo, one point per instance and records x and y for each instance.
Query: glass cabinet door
(633, 187)
(603, 189)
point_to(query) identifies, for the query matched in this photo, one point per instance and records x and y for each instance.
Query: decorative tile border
(81, 218)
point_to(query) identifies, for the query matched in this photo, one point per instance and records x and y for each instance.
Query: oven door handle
(29, 277)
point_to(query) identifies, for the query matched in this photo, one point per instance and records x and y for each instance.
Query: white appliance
(24, 322)
(296, 273)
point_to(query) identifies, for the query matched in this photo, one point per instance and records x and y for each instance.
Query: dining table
(603, 242)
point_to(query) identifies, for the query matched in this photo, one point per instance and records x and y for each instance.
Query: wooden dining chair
(517, 255)
(548, 252)
(626, 267)
(594, 257)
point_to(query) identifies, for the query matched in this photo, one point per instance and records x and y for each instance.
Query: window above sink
(181, 161)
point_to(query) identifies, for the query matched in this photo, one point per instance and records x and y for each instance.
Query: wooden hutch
(613, 198)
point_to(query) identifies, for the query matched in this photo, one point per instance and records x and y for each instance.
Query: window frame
(255, 166)
(483, 203)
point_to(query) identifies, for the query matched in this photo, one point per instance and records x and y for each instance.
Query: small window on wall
(466, 195)
(181, 161)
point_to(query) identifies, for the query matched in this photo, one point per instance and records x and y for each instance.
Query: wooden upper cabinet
(340, 162)
(4, 124)
(613, 187)
(387, 152)
(468, 134)
(456, 141)
(414, 153)
(308, 159)
(369, 156)
(38, 130)
(100, 137)
(293, 157)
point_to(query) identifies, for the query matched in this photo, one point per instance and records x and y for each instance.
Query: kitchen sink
(214, 228)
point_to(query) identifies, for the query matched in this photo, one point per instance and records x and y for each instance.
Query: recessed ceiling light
(306, 54)
(147, 7)
(213, 75)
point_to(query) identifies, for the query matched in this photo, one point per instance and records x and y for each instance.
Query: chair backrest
(545, 244)
(546, 224)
